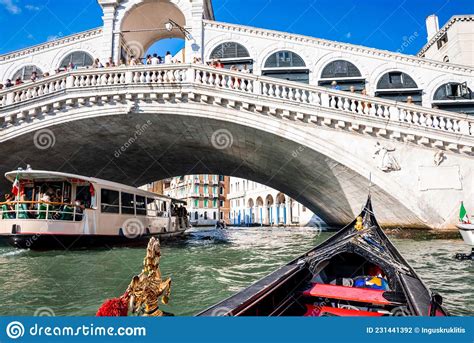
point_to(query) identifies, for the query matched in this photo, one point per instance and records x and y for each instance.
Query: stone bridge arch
(157, 141)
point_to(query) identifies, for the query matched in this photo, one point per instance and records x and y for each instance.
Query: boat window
(56, 192)
(140, 205)
(151, 208)
(83, 195)
(127, 203)
(110, 201)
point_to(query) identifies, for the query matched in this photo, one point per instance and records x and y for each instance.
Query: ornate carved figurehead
(145, 290)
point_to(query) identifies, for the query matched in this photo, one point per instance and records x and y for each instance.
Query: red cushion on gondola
(315, 311)
(365, 295)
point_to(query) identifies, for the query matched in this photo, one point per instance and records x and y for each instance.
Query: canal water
(205, 268)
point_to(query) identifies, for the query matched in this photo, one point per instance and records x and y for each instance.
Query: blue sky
(384, 24)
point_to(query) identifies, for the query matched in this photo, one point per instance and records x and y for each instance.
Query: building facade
(453, 43)
(205, 195)
(254, 204)
(156, 187)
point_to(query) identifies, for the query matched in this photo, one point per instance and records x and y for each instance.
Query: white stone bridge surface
(320, 146)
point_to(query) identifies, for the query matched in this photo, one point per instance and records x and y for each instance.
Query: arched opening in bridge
(159, 49)
(25, 73)
(455, 97)
(144, 26)
(76, 60)
(286, 65)
(398, 86)
(346, 75)
(232, 54)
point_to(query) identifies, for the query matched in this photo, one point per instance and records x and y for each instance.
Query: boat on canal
(466, 229)
(356, 272)
(54, 210)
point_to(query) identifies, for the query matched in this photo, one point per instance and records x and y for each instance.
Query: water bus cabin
(53, 210)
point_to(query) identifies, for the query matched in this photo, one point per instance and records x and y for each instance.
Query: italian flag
(463, 218)
(16, 186)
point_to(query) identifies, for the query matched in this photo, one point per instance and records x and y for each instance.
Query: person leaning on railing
(6, 207)
(21, 208)
(67, 211)
(79, 210)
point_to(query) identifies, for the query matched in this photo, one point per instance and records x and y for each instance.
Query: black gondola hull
(352, 249)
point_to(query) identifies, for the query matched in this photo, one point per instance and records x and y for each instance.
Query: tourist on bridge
(168, 58)
(34, 76)
(335, 86)
(97, 64)
(155, 60)
(9, 83)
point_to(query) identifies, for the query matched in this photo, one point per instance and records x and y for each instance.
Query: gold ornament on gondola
(145, 290)
(358, 225)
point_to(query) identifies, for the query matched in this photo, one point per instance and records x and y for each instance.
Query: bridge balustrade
(339, 102)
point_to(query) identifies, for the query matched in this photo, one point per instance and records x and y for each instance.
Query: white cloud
(10, 6)
(54, 37)
(32, 8)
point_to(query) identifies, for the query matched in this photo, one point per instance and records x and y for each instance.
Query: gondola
(356, 272)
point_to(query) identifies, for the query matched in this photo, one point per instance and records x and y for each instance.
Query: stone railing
(274, 92)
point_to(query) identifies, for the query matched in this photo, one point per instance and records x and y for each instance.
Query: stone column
(108, 37)
(195, 46)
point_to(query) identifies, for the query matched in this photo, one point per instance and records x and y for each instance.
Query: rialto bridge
(279, 125)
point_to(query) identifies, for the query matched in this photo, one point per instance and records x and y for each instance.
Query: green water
(205, 268)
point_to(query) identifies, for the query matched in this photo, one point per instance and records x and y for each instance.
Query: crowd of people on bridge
(155, 59)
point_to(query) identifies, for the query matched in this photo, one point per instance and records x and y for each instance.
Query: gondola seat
(316, 311)
(363, 295)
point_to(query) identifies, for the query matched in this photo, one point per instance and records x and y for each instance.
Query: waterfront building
(205, 195)
(252, 203)
(156, 186)
(453, 43)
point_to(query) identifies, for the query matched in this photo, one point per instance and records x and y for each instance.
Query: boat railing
(40, 210)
